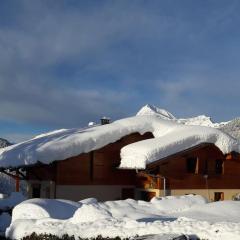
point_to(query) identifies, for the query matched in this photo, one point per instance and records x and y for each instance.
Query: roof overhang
(181, 153)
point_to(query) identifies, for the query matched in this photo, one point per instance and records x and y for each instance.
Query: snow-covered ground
(9, 202)
(5, 220)
(6, 203)
(189, 214)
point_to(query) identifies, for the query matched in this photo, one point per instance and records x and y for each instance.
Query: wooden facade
(201, 170)
(96, 168)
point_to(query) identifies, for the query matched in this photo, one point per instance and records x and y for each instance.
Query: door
(218, 196)
(127, 193)
(147, 196)
(36, 190)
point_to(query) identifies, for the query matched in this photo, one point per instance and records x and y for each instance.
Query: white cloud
(133, 44)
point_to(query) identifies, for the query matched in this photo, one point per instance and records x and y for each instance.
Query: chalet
(138, 157)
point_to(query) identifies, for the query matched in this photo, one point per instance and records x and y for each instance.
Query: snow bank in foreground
(178, 203)
(141, 210)
(226, 211)
(14, 199)
(126, 218)
(170, 137)
(45, 208)
(89, 201)
(90, 213)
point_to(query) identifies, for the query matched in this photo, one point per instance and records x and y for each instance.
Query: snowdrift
(190, 214)
(215, 211)
(45, 208)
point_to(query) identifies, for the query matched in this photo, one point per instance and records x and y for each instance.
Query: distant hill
(4, 143)
(232, 127)
(7, 184)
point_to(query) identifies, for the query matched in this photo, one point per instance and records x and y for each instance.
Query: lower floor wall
(48, 189)
(42, 189)
(101, 192)
(210, 194)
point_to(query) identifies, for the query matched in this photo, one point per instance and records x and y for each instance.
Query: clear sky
(65, 63)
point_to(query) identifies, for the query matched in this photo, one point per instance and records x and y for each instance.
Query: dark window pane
(218, 196)
(36, 190)
(191, 164)
(219, 166)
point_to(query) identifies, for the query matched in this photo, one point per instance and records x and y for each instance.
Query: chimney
(105, 120)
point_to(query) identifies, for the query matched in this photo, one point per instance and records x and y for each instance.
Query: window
(36, 190)
(47, 192)
(99, 168)
(205, 170)
(218, 196)
(191, 164)
(219, 166)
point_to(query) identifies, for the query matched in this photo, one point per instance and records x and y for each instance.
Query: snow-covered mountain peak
(4, 143)
(153, 110)
(201, 120)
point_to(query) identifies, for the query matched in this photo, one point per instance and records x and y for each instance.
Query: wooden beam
(17, 182)
(11, 174)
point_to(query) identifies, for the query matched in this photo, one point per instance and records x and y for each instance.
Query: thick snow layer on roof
(170, 137)
(67, 143)
(139, 154)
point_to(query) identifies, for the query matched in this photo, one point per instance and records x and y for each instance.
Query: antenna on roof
(105, 120)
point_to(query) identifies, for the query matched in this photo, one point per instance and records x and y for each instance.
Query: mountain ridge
(4, 143)
(231, 127)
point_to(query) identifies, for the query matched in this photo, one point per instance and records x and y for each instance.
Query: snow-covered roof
(169, 137)
(177, 139)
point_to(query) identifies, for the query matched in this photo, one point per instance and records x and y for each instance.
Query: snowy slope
(232, 127)
(7, 183)
(170, 137)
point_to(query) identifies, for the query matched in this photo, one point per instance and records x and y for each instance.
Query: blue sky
(65, 63)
